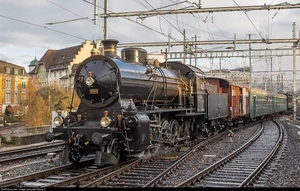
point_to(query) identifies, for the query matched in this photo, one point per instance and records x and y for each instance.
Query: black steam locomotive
(131, 104)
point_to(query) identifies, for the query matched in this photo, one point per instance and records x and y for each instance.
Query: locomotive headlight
(105, 121)
(58, 120)
(89, 81)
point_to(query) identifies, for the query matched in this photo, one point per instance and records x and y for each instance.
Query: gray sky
(24, 32)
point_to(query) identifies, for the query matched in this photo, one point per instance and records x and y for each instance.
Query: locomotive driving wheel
(166, 134)
(186, 131)
(165, 130)
(114, 149)
(175, 131)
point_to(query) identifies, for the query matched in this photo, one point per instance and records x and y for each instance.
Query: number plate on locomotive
(93, 91)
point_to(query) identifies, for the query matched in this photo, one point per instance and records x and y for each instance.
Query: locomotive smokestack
(110, 47)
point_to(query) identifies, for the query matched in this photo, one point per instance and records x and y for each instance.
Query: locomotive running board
(188, 114)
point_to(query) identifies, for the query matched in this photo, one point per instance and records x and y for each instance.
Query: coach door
(245, 101)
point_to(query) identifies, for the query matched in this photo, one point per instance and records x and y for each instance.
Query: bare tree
(37, 114)
(41, 101)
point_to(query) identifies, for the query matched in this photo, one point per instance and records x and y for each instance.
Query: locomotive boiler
(130, 104)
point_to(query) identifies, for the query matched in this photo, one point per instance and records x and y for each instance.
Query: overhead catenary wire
(252, 23)
(159, 8)
(41, 26)
(53, 23)
(87, 19)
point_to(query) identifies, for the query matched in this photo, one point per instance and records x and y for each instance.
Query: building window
(16, 71)
(23, 84)
(7, 97)
(7, 70)
(8, 84)
(16, 97)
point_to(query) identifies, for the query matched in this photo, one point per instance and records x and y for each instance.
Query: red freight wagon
(238, 103)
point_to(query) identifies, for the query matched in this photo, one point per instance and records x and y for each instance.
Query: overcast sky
(25, 32)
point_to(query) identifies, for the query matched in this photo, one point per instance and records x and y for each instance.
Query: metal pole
(250, 67)
(220, 68)
(95, 11)
(105, 19)
(294, 71)
(196, 47)
(271, 87)
(184, 47)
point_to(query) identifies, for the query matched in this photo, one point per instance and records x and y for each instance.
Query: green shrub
(12, 119)
(4, 141)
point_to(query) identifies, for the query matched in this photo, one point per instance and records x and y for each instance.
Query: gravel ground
(209, 154)
(287, 173)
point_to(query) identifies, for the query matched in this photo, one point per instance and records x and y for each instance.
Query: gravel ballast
(287, 173)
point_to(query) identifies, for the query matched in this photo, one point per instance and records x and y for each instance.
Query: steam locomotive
(131, 104)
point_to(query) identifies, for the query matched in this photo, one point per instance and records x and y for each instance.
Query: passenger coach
(264, 104)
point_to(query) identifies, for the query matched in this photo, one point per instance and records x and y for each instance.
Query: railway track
(25, 160)
(147, 171)
(137, 174)
(69, 175)
(20, 154)
(241, 167)
(147, 166)
(47, 172)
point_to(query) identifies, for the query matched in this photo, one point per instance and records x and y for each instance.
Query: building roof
(58, 59)
(4, 64)
(33, 62)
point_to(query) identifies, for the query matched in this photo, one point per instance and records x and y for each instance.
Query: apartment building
(13, 82)
(56, 66)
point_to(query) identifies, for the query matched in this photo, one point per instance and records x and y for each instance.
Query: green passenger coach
(263, 103)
